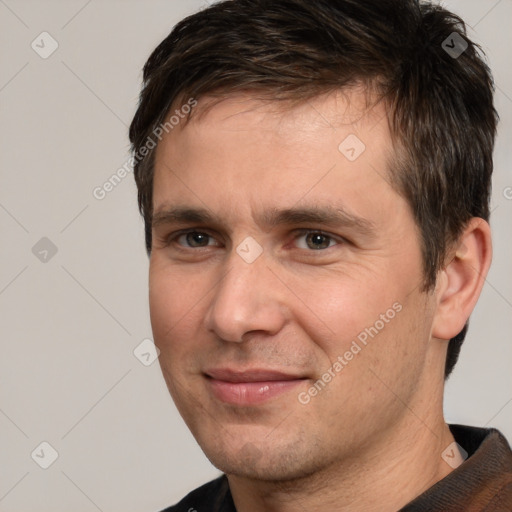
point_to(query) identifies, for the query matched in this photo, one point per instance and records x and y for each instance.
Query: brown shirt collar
(482, 483)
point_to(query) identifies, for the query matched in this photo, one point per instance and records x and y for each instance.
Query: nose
(249, 298)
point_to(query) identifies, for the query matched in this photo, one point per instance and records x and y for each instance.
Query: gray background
(70, 324)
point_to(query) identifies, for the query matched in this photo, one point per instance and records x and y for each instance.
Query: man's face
(253, 308)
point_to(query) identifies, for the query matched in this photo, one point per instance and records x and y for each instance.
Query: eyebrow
(325, 215)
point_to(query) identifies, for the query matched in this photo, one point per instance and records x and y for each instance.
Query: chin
(269, 463)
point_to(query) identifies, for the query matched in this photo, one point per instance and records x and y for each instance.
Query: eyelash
(172, 238)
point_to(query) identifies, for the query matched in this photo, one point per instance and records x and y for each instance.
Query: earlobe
(461, 281)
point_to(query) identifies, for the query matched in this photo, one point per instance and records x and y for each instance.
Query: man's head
(332, 159)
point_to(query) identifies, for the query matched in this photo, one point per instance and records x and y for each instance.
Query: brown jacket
(483, 483)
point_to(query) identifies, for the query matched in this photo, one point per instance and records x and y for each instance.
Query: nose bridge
(245, 298)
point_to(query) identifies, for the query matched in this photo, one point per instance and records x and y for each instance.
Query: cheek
(345, 306)
(163, 304)
(174, 301)
(175, 312)
(377, 349)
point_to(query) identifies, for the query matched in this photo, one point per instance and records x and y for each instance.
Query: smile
(249, 387)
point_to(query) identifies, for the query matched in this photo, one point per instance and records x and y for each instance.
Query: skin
(372, 438)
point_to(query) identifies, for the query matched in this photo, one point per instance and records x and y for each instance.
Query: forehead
(268, 153)
(356, 106)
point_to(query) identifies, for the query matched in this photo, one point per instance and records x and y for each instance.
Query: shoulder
(213, 496)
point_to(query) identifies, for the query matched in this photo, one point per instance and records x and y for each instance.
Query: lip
(249, 387)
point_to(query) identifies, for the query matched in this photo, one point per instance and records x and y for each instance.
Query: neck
(391, 473)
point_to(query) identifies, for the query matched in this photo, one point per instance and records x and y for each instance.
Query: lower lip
(250, 393)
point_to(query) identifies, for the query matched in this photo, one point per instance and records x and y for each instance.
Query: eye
(315, 240)
(194, 239)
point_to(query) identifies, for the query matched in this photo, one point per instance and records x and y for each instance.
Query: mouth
(250, 387)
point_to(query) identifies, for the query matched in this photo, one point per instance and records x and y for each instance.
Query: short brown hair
(416, 54)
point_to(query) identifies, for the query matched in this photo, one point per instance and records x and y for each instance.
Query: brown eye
(315, 240)
(194, 239)
(318, 241)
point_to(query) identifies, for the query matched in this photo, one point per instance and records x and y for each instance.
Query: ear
(460, 282)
